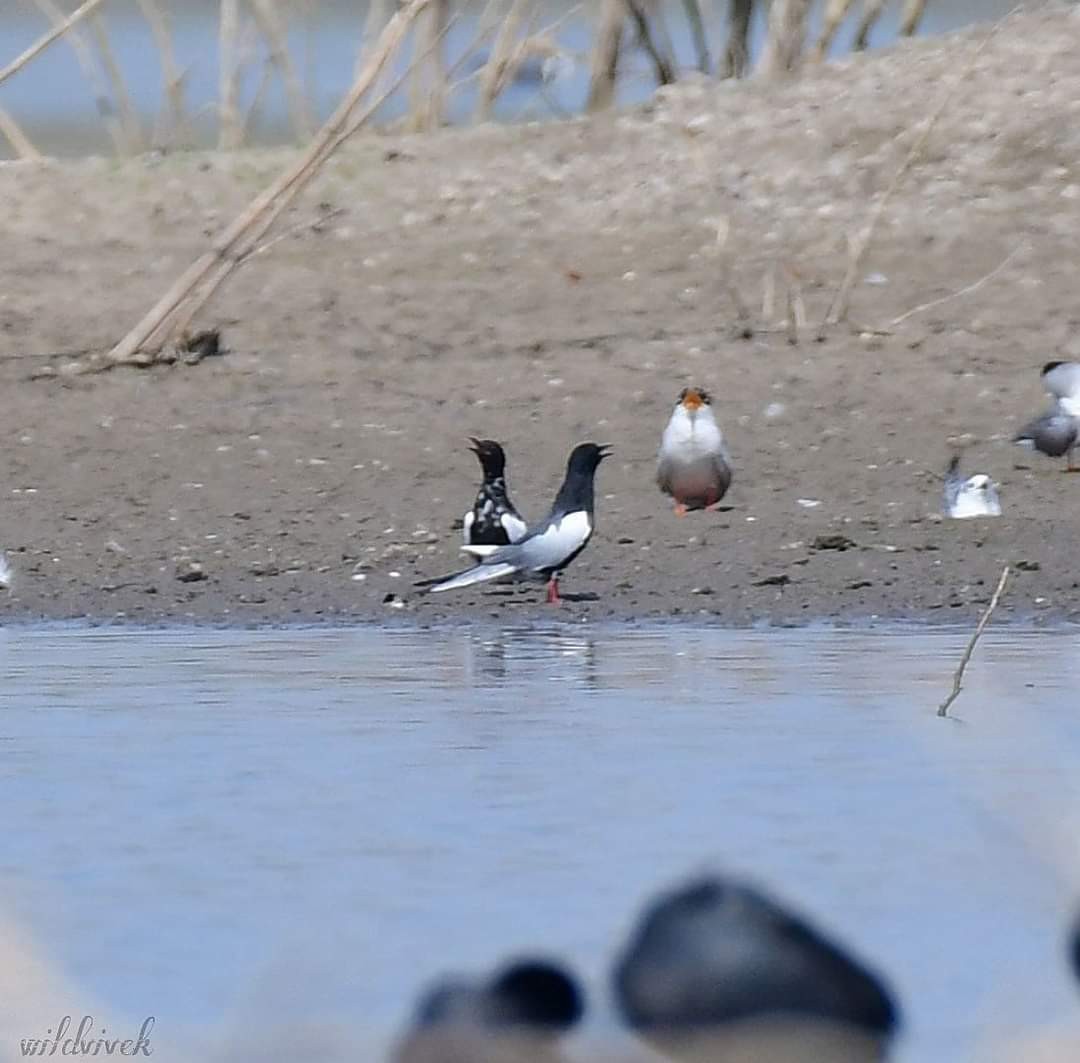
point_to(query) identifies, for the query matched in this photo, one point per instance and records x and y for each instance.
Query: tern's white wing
(552, 547)
(516, 529)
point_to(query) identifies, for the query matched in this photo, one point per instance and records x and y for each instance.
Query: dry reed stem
(129, 115)
(21, 144)
(377, 17)
(428, 86)
(175, 129)
(485, 27)
(835, 13)
(966, 290)
(786, 38)
(958, 678)
(737, 52)
(871, 13)
(911, 17)
(660, 56)
(275, 33)
(838, 307)
(254, 109)
(493, 79)
(605, 56)
(43, 42)
(698, 35)
(89, 68)
(274, 199)
(229, 128)
(768, 294)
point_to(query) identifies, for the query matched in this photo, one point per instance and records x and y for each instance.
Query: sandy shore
(547, 284)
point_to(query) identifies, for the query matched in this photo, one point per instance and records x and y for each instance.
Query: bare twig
(973, 287)
(491, 84)
(605, 55)
(43, 42)
(835, 13)
(312, 225)
(659, 56)
(838, 307)
(768, 293)
(429, 85)
(275, 33)
(228, 74)
(19, 141)
(90, 70)
(783, 49)
(129, 115)
(912, 16)
(958, 678)
(737, 52)
(174, 129)
(871, 13)
(697, 32)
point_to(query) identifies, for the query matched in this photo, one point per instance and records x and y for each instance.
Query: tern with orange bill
(693, 465)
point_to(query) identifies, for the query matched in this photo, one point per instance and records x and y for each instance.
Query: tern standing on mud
(548, 548)
(493, 520)
(1057, 432)
(693, 466)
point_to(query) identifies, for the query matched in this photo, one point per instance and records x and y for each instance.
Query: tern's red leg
(680, 509)
(553, 592)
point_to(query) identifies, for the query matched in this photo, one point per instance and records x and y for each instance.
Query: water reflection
(301, 825)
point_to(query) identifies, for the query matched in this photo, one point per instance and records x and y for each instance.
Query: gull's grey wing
(1054, 433)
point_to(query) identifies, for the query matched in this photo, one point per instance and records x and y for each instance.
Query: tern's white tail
(480, 574)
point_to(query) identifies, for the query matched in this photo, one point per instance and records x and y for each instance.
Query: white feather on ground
(7, 573)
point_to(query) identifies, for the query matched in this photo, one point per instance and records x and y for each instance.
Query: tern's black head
(1050, 367)
(535, 994)
(585, 457)
(491, 456)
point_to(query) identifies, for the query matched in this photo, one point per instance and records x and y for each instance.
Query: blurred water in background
(250, 831)
(55, 103)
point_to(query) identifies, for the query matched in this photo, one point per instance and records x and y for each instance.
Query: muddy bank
(548, 284)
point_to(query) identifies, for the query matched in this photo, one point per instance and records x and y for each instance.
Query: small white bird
(693, 465)
(975, 496)
(7, 573)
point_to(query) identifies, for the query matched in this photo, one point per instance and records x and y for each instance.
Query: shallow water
(60, 106)
(232, 830)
